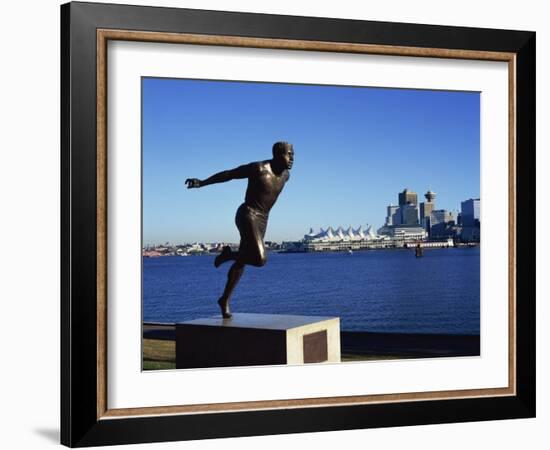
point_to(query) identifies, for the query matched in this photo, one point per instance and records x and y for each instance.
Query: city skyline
(300, 236)
(356, 148)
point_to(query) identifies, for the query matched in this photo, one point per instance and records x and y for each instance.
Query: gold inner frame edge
(103, 36)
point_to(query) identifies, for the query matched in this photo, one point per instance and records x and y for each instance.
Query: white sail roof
(331, 235)
(370, 233)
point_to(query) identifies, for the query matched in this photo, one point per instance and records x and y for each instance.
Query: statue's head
(283, 154)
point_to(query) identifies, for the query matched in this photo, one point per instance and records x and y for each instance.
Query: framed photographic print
(277, 224)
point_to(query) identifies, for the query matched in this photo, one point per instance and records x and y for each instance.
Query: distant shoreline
(287, 252)
(411, 249)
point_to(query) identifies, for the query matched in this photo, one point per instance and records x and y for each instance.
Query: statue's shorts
(252, 225)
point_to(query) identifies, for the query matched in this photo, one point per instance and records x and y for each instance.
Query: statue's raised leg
(226, 255)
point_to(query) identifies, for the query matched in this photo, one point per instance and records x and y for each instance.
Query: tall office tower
(470, 212)
(407, 196)
(426, 208)
(409, 214)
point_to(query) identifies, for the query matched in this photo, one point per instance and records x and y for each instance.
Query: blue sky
(355, 149)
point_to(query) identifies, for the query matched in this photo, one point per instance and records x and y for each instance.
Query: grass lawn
(161, 355)
(158, 365)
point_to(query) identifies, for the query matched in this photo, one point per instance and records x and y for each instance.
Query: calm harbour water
(379, 290)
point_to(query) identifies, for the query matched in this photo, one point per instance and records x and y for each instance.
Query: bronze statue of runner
(266, 180)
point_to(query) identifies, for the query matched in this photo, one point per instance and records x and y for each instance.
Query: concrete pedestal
(257, 339)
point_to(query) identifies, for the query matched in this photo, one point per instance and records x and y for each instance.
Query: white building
(404, 233)
(330, 239)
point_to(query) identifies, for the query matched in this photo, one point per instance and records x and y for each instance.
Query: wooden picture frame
(86, 418)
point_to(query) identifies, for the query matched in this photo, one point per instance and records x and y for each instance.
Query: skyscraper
(394, 216)
(470, 212)
(409, 214)
(426, 208)
(407, 197)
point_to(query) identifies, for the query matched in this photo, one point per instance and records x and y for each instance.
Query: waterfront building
(440, 216)
(444, 230)
(196, 248)
(470, 234)
(404, 233)
(339, 240)
(470, 218)
(445, 243)
(470, 211)
(407, 196)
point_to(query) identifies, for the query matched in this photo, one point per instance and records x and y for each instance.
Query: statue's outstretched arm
(221, 177)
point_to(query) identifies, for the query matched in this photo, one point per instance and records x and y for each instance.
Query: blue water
(379, 290)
